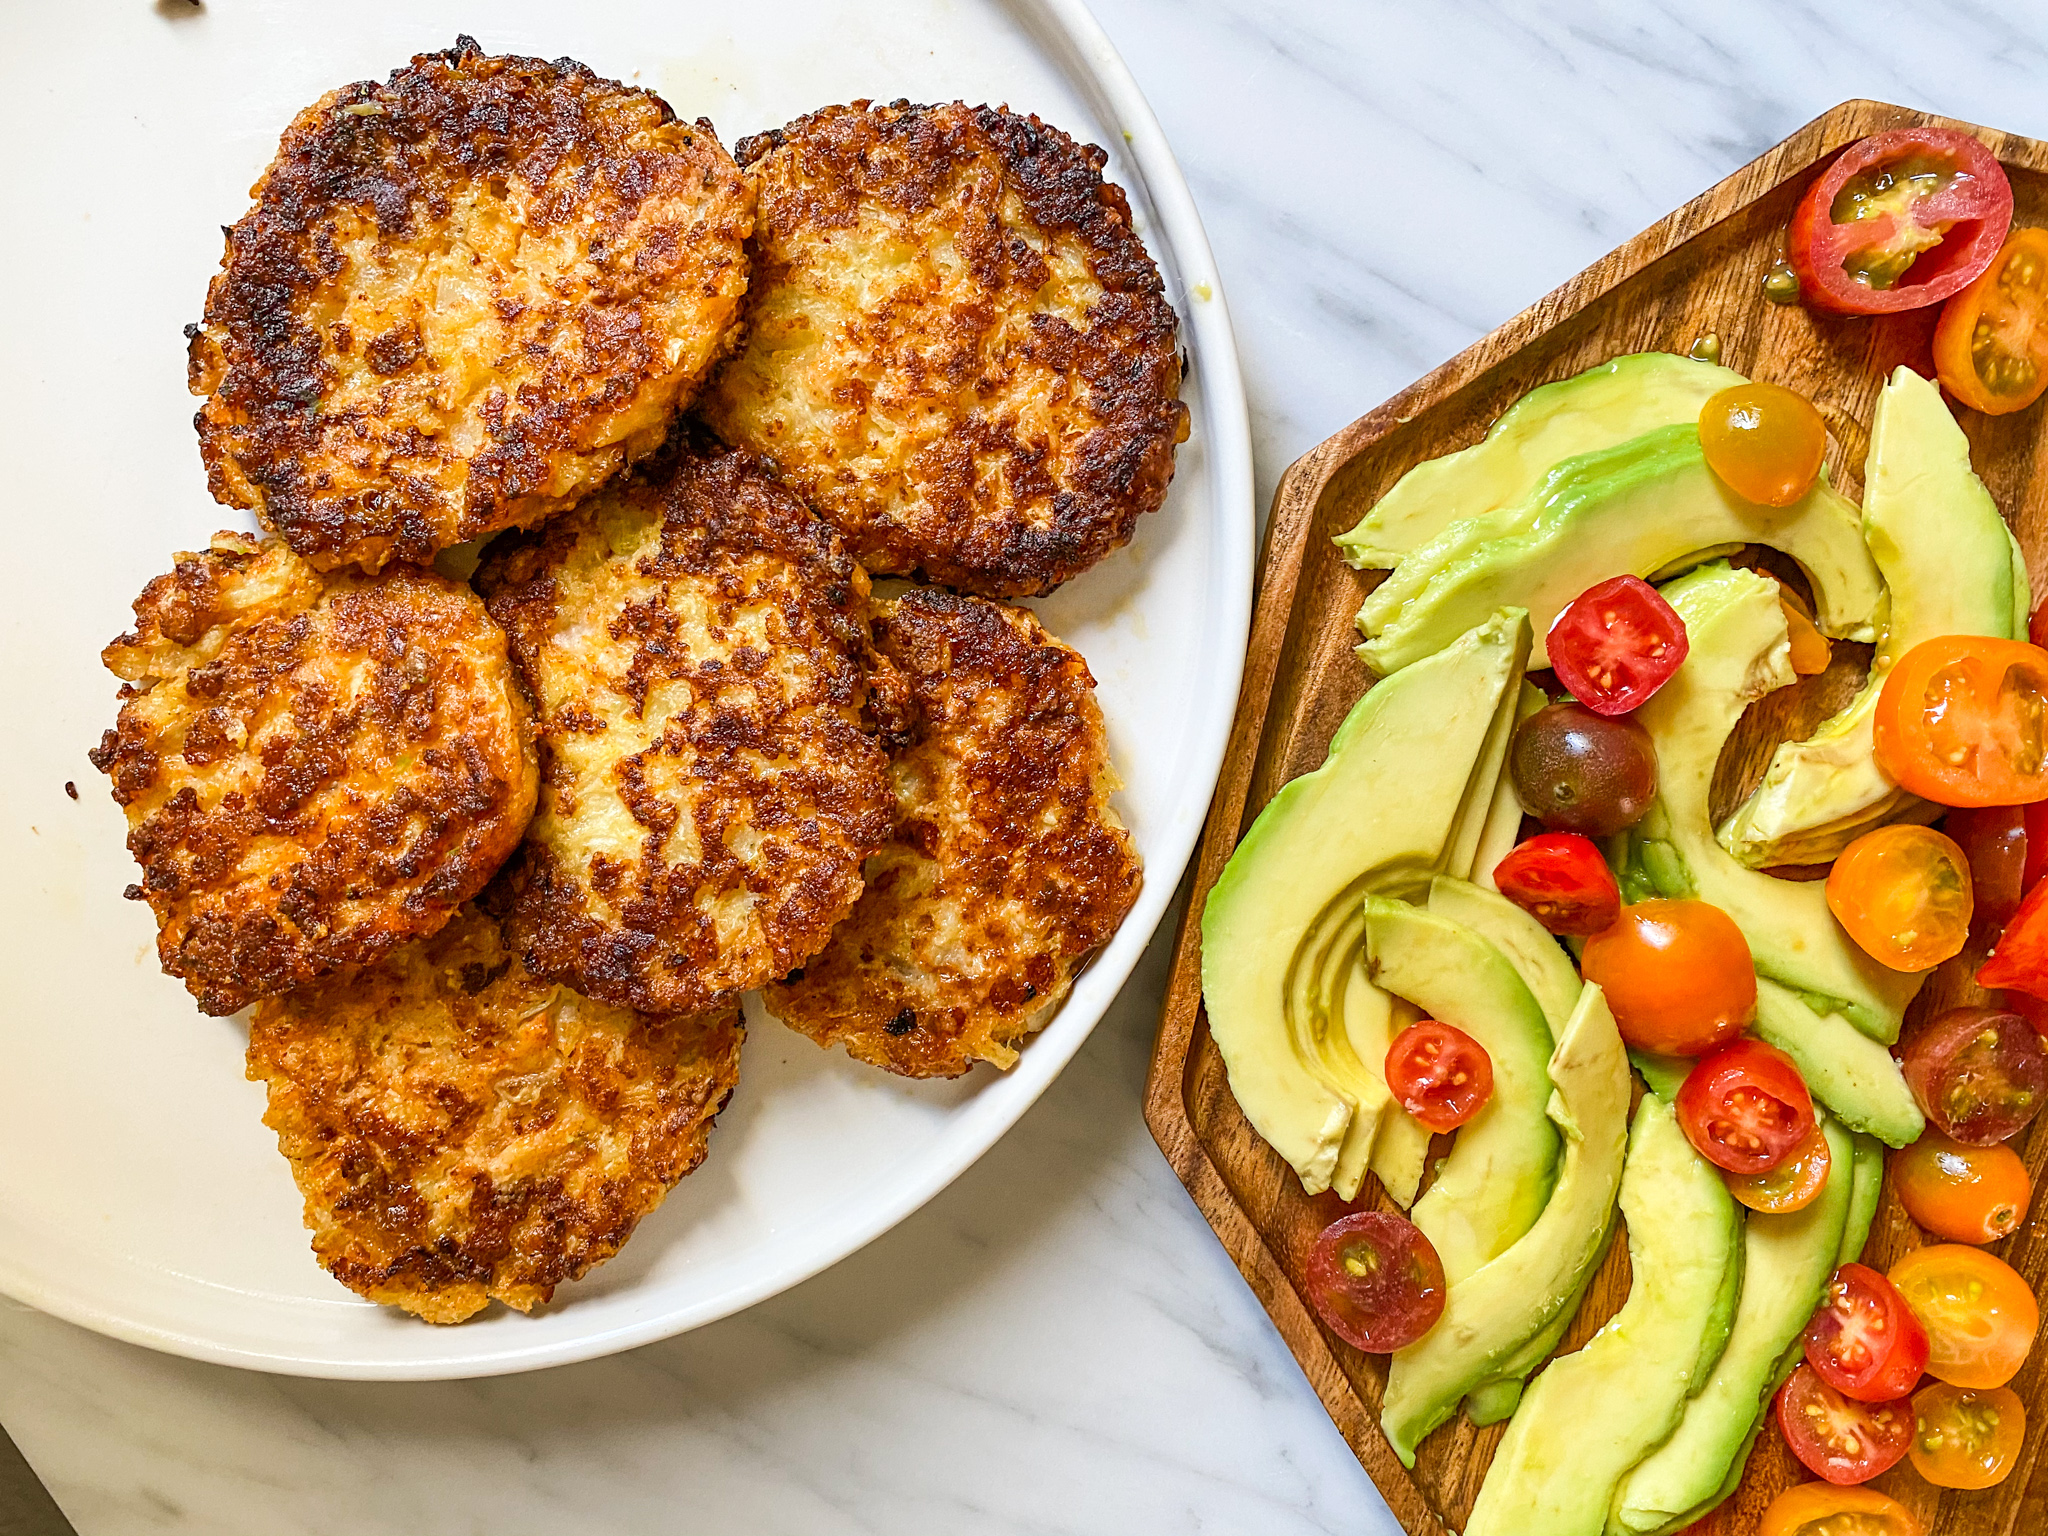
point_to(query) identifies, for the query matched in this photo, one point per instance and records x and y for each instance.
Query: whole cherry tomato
(1903, 893)
(1376, 1281)
(1966, 1438)
(1980, 1316)
(1994, 843)
(1677, 974)
(1837, 1437)
(1991, 347)
(1791, 1186)
(1576, 771)
(1978, 1073)
(1763, 442)
(1965, 1194)
(1963, 720)
(1561, 880)
(1818, 1509)
(1615, 644)
(1440, 1075)
(1745, 1108)
(1900, 220)
(1864, 1340)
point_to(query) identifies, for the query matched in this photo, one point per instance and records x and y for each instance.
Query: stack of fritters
(467, 301)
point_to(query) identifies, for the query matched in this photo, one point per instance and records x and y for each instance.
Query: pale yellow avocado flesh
(1605, 405)
(1503, 826)
(1950, 565)
(1365, 820)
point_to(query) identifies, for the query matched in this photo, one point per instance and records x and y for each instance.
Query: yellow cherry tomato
(1965, 1437)
(1764, 442)
(1979, 1314)
(1904, 895)
(1965, 1194)
(1791, 1186)
(1821, 1509)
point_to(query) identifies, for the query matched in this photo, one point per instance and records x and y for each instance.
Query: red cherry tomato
(1376, 1281)
(1979, 1074)
(1440, 1075)
(1615, 644)
(1677, 974)
(1994, 843)
(1561, 880)
(1864, 1340)
(1963, 720)
(1745, 1108)
(2020, 958)
(1837, 1437)
(1901, 219)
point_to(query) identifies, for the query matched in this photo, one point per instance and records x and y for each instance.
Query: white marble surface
(1057, 1344)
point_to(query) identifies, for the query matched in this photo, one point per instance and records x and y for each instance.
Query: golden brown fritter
(1008, 866)
(695, 641)
(463, 300)
(465, 1132)
(956, 346)
(315, 768)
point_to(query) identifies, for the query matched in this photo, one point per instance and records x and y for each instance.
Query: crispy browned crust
(465, 1132)
(315, 768)
(463, 300)
(1008, 866)
(695, 641)
(956, 345)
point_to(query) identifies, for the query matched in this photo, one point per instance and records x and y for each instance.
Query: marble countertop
(1057, 1344)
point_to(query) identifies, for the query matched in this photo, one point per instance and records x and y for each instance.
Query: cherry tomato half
(1979, 1314)
(1963, 720)
(1864, 1340)
(1836, 1437)
(1979, 1073)
(1903, 893)
(1819, 1509)
(1809, 647)
(1615, 644)
(1994, 843)
(1745, 1107)
(1561, 880)
(1791, 1186)
(1991, 347)
(1965, 1194)
(1900, 220)
(1677, 974)
(1963, 1438)
(1576, 771)
(1376, 1281)
(1440, 1075)
(1764, 442)
(2019, 960)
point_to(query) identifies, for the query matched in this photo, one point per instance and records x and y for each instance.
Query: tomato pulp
(1615, 644)
(1963, 720)
(1978, 1073)
(2020, 958)
(1837, 1437)
(1440, 1075)
(1991, 347)
(1964, 1437)
(1980, 1316)
(1376, 1280)
(1561, 880)
(1821, 1509)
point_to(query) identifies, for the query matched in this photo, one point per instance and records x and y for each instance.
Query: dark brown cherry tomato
(1864, 1340)
(1791, 1186)
(1837, 1437)
(1576, 771)
(1745, 1108)
(1376, 1281)
(1763, 442)
(1615, 644)
(1967, 1437)
(1963, 720)
(1561, 880)
(1677, 974)
(1994, 843)
(1440, 1075)
(1979, 1073)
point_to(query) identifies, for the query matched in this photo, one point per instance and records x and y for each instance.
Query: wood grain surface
(1698, 272)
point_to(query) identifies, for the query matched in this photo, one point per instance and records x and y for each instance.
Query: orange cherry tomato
(1791, 1186)
(1991, 347)
(1964, 1438)
(1904, 894)
(1677, 974)
(1965, 1194)
(1963, 720)
(1764, 441)
(1979, 1314)
(1821, 1509)
(1810, 648)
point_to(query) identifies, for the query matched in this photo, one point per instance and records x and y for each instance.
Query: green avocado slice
(1853, 1075)
(1864, 1193)
(1787, 1260)
(1739, 652)
(1503, 826)
(1592, 1415)
(1493, 1185)
(1947, 559)
(1648, 506)
(1605, 405)
(1493, 1312)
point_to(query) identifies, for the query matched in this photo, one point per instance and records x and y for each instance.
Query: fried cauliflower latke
(696, 643)
(465, 1132)
(463, 300)
(1008, 866)
(955, 345)
(315, 768)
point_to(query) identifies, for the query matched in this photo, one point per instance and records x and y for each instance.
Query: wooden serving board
(1696, 273)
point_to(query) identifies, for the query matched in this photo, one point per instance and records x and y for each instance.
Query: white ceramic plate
(139, 1191)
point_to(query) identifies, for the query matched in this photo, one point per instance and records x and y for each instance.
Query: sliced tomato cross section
(1562, 880)
(1864, 1340)
(1615, 644)
(1439, 1074)
(1376, 1280)
(1745, 1107)
(1838, 1438)
(1963, 720)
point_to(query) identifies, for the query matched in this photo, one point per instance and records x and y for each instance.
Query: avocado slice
(1366, 820)
(1503, 827)
(1491, 1314)
(1864, 1193)
(1546, 970)
(1787, 1260)
(1592, 1415)
(1605, 405)
(1852, 1074)
(1739, 653)
(1947, 559)
(1493, 1184)
(1647, 506)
